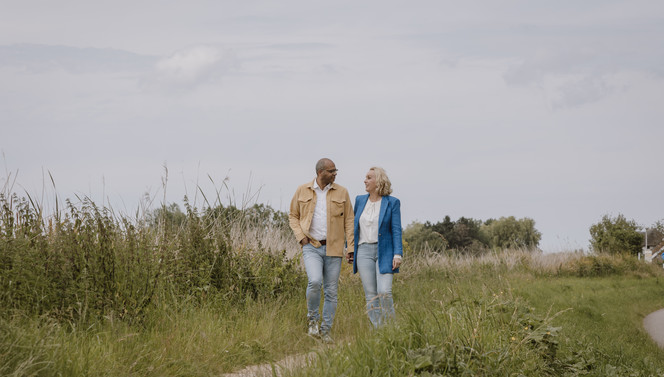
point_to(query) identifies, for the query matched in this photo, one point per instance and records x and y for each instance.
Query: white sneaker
(326, 338)
(313, 329)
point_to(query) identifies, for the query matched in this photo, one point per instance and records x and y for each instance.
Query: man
(321, 216)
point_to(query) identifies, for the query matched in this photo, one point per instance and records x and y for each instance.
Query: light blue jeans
(377, 286)
(321, 271)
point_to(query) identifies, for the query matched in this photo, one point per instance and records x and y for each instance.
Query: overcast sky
(544, 109)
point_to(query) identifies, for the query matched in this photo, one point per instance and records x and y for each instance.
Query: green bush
(87, 263)
(616, 235)
(508, 232)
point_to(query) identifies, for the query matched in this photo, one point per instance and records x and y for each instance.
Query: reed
(87, 262)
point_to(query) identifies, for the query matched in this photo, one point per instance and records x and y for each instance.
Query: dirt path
(654, 325)
(265, 370)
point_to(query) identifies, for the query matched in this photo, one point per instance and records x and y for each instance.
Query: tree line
(611, 235)
(464, 234)
(473, 235)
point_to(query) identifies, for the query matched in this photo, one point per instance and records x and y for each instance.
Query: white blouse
(369, 222)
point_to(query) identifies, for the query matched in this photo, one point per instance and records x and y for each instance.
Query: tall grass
(534, 262)
(196, 341)
(85, 291)
(87, 263)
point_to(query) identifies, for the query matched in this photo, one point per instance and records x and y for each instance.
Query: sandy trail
(265, 370)
(654, 325)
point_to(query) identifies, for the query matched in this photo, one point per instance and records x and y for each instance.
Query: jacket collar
(314, 184)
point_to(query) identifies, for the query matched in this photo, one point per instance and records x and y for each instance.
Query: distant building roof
(655, 237)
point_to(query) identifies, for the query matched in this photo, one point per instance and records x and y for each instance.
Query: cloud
(587, 89)
(190, 67)
(568, 77)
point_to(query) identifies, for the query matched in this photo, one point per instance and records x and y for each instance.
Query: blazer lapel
(360, 205)
(383, 208)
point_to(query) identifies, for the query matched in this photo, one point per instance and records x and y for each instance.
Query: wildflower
(513, 338)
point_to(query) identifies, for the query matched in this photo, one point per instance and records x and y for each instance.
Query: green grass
(492, 316)
(210, 291)
(187, 340)
(499, 318)
(605, 313)
(195, 342)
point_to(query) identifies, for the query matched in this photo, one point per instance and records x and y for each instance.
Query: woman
(378, 247)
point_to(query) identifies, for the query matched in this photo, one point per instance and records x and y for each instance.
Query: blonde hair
(383, 184)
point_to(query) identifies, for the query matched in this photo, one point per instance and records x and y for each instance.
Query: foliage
(459, 319)
(87, 263)
(472, 236)
(616, 235)
(260, 215)
(656, 232)
(88, 292)
(419, 237)
(499, 314)
(659, 226)
(602, 264)
(489, 333)
(188, 340)
(603, 330)
(508, 232)
(169, 217)
(461, 234)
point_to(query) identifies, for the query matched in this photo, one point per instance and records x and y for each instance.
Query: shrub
(616, 235)
(508, 232)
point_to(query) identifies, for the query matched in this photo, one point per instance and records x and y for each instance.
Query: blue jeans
(377, 286)
(321, 271)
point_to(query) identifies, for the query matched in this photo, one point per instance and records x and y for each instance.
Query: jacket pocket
(304, 204)
(337, 207)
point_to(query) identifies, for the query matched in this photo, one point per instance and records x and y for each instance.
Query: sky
(481, 108)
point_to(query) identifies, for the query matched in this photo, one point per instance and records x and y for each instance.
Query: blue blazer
(389, 231)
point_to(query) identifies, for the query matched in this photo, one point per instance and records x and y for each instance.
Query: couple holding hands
(322, 218)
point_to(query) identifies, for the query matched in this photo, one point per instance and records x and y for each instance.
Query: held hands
(304, 241)
(350, 256)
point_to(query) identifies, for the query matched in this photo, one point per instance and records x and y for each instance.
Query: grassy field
(207, 292)
(509, 315)
(487, 316)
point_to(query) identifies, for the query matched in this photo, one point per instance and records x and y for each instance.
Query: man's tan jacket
(339, 217)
